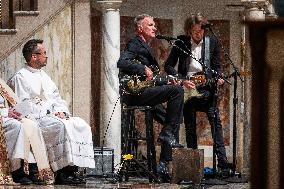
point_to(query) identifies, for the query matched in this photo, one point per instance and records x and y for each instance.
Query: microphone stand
(215, 99)
(235, 75)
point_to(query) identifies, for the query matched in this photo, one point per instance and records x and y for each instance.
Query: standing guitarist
(206, 50)
(138, 50)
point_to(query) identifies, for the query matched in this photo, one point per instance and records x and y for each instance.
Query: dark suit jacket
(178, 57)
(137, 49)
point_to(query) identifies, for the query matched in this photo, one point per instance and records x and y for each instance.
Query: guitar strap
(207, 55)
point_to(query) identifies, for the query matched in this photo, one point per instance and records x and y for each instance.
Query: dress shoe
(224, 173)
(19, 176)
(79, 179)
(64, 179)
(224, 169)
(36, 180)
(168, 137)
(33, 174)
(163, 172)
(22, 180)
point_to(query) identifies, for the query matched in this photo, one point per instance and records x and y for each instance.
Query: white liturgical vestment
(68, 141)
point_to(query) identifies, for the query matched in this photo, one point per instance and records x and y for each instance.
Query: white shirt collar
(194, 44)
(33, 70)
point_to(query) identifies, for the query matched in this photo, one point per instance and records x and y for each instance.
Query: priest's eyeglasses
(41, 53)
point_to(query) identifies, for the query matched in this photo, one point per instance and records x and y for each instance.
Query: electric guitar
(199, 81)
(135, 84)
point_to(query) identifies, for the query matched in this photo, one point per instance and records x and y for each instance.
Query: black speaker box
(104, 159)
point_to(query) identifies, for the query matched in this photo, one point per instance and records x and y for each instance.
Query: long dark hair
(193, 19)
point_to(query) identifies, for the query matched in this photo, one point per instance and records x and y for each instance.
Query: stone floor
(102, 183)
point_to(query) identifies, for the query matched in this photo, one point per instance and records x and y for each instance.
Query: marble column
(110, 102)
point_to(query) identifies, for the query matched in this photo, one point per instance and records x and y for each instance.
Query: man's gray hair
(138, 19)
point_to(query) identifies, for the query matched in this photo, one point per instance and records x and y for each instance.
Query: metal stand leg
(129, 145)
(151, 152)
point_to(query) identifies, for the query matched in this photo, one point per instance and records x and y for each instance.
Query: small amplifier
(104, 159)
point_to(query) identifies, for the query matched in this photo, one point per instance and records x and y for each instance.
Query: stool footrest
(125, 107)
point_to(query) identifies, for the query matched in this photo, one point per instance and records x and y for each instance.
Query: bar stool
(130, 137)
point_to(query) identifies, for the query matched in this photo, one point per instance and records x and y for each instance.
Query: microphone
(168, 38)
(208, 25)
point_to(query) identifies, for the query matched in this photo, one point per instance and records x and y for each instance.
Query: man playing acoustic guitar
(206, 50)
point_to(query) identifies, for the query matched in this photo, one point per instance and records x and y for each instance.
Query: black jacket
(178, 57)
(137, 49)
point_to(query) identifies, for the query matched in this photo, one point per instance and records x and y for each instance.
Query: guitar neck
(199, 79)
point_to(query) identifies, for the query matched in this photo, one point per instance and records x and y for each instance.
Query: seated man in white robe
(24, 142)
(68, 139)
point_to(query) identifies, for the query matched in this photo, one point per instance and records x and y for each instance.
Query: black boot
(67, 176)
(224, 169)
(33, 174)
(163, 172)
(19, 176)
(168, 137)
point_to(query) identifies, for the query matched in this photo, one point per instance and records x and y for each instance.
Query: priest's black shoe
(167, 136)
(19, 176)
(23, 180)
(64, 179)
(33, 174)
(163, 172)
(36, 180)
(79, 179)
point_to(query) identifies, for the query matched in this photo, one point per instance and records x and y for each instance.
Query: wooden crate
(187, 165)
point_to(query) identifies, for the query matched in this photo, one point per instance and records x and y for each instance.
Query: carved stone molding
(254, 10)
(109, 4)
(258, 10)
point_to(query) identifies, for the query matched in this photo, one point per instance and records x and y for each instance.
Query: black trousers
(172, 116)
(204, 105)
(153, 96)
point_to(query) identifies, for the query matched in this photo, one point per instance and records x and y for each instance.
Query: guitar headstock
(245, 73)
